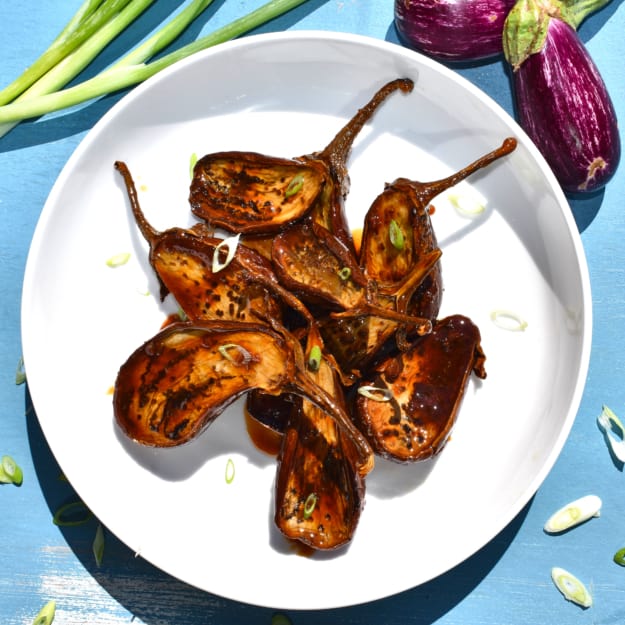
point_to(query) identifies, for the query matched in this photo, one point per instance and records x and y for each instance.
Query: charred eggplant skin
(452, 30)
(561, 99)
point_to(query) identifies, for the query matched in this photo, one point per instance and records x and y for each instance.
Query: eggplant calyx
(525, 29)
(527, 23)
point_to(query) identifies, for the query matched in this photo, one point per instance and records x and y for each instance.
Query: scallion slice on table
(573, 514)
(614, 432)
(46, 614)
(10, 471)
(571, 588)
(132, 68)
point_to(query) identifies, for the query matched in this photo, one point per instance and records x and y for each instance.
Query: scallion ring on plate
(508, 320)
(229, 471)
(229, 243)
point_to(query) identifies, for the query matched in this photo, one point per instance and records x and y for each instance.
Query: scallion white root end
(571, 588)
(573, 514)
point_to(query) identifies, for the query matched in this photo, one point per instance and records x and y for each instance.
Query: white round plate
(287, 95)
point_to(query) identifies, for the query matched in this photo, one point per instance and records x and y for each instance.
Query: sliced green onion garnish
(573, 514)
(117, 260)
(234, 353)
(396, 235)
(11, 471)
(46, 614)
(229, 471)
(295, 186)
(192, 162)
(20, 373)
(231, 244)
(72, 514)
(280, 619)
(345, 273)
(614, 432)
(571, 587)
(508, 320)
(619, 557)
(314, 358)
(375, 393)
(310, 504)
(98, 544)
(466, 205)
(4, 478)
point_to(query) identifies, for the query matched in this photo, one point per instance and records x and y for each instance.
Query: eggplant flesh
(564, 106)
(453, 30)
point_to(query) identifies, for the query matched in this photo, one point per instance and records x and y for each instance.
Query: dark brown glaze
(319, 491)
(425, 386)
(248, 193)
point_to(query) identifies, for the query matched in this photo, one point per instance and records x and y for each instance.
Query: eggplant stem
(150, 234)
(337, 151)
(429, 190)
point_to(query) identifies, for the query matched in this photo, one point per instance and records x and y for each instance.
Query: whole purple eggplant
(561, 100)
(453, 30)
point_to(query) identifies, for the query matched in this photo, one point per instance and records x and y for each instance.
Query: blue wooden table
(506, 582)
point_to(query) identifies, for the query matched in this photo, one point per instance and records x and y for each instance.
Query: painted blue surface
(507, 582)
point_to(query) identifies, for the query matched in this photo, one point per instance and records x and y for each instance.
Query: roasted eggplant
(175, 385)
(407, 410)
(319, 491)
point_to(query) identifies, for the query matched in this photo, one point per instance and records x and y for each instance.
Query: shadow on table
(159, 599)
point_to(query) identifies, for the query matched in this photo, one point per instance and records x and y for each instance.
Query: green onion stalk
(36, 94)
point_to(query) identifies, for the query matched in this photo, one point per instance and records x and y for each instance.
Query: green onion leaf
(229, 471)
(192, 162)
(375, 392)
(117, 260)
(314, 358)
(614, 432)
(508, 320)
(310, 504)
(20, 373)
(396, 235)
(236, 354)
(46, 614)
(98, 544)
(229, 243)
(345, 273)
(133, 68)
(11, 471)
(619, 557)
(72, 514)
(573, 514)
(571, 587)
(295, 186)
